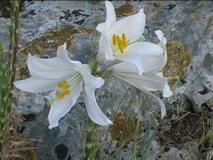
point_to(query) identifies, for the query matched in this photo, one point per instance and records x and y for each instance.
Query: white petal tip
(53, 126)
(167, 91)
(163, 115)
(64, 45)
(109, 4)
(168, 94)
(159, 32)
(140, 72)
(141, 10)
(108, 122)
(163, 110)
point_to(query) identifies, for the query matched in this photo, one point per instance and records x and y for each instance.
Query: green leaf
(90, 126)
(8, 9)
(1, 133)
(90, 144)
(93, 152)
(1, 110)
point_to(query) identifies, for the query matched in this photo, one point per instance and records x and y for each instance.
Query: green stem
(94, 66)
(13, 47)
(90, 147)
(103, 73)
(7, 69)
(89, 138)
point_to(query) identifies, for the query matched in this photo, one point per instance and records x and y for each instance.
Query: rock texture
(44, 25)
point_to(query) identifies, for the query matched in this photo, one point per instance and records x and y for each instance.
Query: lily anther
(120, 41)
(63, 89)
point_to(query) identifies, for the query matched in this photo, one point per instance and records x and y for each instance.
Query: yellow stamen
(120, 44)
(65, 86)
(63, 89)
(61, 83)
(66, 92)
(57, 92)
(61, 96)
(124, 39)
(114, 39)
(120, 41)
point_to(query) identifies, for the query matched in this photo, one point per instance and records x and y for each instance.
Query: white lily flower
(146, 82)
(151, 79)
(155, 63)
(67, 79)
(122, 39)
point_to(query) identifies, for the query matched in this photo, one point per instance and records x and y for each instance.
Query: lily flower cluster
(140, 66)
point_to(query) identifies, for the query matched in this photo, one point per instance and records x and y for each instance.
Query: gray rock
(28, 103)
(188, 151)
(179, 20)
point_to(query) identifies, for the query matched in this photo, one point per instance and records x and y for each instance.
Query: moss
(54, 38)
(178, 61)
(123, 128)
(49, 41)
(126, 9)
(27, 154)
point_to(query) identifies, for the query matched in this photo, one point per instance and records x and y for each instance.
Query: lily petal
(36, 85)
(105, 51)
(60, 108)
(90, 81)
(166, 91)
(162, 106)
(154, 64)
(150, 82)
(143, 89)
(124, 68)
(146, 83)
(49, 68)
(90, 84)
(63, 53)
(144, 48)
(135, 53)
(133, 31)
(93, 110)
(162, 39)
(101, 28)
(110, 16)
(133, 27)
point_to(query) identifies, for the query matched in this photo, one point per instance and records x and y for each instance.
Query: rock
(28, 103)
(188, 151)
(47, 24)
